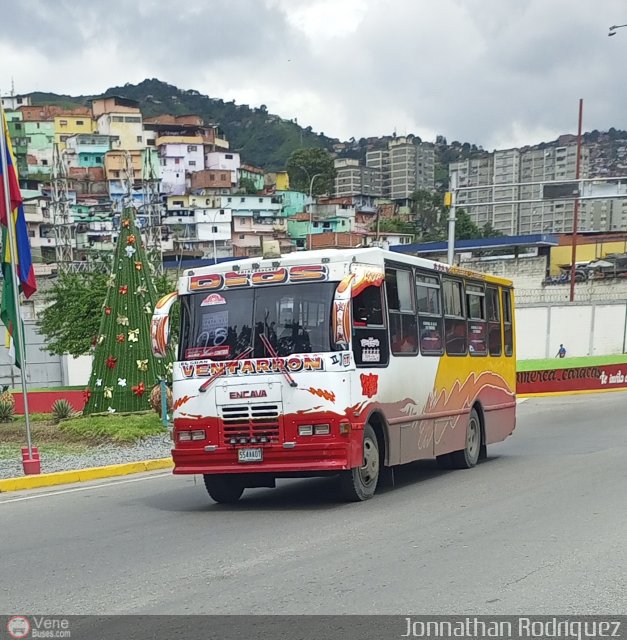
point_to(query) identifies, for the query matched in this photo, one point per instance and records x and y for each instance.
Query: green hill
(263, 139)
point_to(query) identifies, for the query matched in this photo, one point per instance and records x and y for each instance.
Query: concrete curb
(83, 475)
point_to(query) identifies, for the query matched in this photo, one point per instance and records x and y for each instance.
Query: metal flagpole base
(32, 463)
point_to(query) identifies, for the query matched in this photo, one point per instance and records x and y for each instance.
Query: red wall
(611, 376)
(42, 401)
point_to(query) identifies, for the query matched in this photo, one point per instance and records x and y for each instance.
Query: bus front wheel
(468, 457)
(224, 489)
(360, 483)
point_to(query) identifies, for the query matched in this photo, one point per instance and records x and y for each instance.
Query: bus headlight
(322, 429)
(305, 430)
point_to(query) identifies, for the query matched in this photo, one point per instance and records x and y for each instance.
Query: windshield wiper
(240, 356)
(274, 354)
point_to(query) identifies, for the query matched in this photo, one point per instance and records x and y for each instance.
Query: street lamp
(311, 183)
(613, 28)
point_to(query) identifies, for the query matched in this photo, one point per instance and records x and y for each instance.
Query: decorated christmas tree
(124, 369)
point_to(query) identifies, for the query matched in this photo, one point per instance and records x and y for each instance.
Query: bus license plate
(250, 455)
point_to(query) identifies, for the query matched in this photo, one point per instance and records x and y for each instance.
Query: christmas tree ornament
(133, 335)
(111, 361)
(99, 382)
(107, 311)
(138, 389)
(86, 394)
(131, 239)
(123, 290)
(139, 266)
(142, 365)
(111, 410)
(108, 392)
(141, 290)
(123, 320)
(120, 337)
(121, 382)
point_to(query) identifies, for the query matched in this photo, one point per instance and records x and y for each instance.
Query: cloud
(490, 72)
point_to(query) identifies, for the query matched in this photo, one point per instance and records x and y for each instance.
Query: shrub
(7, 409)
(62, 410)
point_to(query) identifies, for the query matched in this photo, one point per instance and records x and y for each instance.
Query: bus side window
(429, 306)
(402, 312)
(370, 334)
(494, 321)
(507, 322)
(455, 329)
(475, 305)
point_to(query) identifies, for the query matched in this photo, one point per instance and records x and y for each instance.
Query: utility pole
(573, 257)
(61, 215)
(452, 196)
(152, 211)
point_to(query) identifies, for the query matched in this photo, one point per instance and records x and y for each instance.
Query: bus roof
(368, 255)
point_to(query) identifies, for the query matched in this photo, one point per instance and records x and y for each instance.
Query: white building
(178, 156)
(223, 160)
(11, 103)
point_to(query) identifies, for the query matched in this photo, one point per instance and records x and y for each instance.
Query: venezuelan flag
(22, 256)
(17, 257)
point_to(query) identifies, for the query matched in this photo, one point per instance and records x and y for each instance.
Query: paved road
(538, 528)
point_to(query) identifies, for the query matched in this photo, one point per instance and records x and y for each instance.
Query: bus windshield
(290, 318)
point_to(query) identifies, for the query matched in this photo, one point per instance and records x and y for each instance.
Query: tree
(429, 214)
(247, 186)
(489, 231)
(69, 323)
(395, 225)
(124, 368)
(304, 164)
(465, 228)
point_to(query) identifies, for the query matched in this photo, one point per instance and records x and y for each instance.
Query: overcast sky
(497, 73)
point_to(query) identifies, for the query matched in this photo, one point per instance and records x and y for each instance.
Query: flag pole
(18, 333)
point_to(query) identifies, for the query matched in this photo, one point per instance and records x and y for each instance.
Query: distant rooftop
(479, 244)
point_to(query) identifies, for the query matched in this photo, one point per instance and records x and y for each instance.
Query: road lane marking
(95, 486)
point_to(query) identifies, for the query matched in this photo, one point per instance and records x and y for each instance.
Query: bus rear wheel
(360, 483)
(468, 457)
(224, 489)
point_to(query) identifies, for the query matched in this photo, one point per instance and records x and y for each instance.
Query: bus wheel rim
(473, 439)
(370, 469)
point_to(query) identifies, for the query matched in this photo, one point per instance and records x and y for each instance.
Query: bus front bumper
(277, 458)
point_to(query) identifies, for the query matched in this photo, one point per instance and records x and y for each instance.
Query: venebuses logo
(18, 626)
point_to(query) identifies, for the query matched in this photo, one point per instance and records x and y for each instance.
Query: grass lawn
(563, 363)
(80, 432)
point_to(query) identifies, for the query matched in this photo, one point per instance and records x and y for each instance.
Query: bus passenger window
(429, 306)
(402, 315)
(455, 330)
(494, 321)
(475, 303)
(367, 308)
(370, 335)
(508, 322)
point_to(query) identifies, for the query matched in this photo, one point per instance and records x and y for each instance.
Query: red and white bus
(336, 362)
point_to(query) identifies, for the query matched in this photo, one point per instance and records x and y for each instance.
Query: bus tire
(224, 489)
(360, 483)
(468, 457)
